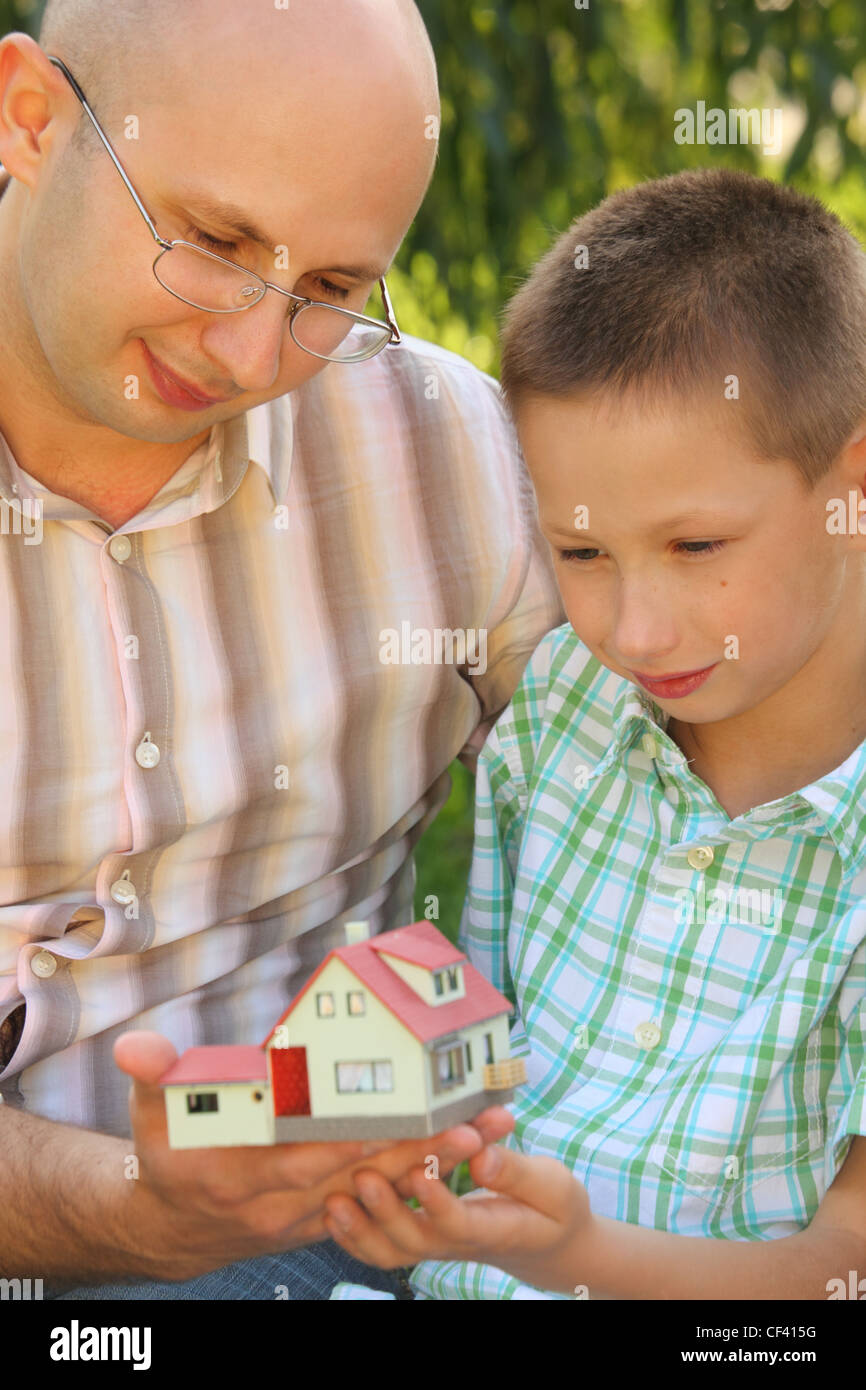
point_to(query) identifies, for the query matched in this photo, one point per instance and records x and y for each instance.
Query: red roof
(420, 944)
(426, 1021)
(241, 1062)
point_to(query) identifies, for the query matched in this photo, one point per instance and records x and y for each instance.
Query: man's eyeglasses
(210, 282)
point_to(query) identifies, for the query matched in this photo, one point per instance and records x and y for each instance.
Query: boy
(669, 872)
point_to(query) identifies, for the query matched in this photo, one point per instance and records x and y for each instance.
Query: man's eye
(211, 242)
(321, 287)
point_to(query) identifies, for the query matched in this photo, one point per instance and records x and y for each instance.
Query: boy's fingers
(407, 1230)
(366, 1243)
(544, 1184)
(389, 1231)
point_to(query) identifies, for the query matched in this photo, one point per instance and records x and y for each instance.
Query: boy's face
(691, 553)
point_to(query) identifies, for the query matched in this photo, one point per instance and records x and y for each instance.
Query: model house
(394, 1036)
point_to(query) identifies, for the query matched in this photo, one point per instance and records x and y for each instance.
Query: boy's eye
(588, 553)
(585, 554)
(707, 547)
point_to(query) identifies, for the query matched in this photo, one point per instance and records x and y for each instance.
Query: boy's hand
(535, 1223)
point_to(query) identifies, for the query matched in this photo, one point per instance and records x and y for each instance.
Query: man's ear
(31, 89)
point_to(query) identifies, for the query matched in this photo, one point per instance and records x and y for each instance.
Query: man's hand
(533, 1220)
(198, 1209)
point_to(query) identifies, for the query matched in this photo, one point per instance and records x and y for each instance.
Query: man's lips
(194, 391)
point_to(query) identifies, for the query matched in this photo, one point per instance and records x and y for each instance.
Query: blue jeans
(309, 1273)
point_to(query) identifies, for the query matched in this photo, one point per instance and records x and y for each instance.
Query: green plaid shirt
(690, 989)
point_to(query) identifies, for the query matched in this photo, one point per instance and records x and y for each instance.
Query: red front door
(290, 1081)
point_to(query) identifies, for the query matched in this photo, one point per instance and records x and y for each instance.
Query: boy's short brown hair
(692, 278)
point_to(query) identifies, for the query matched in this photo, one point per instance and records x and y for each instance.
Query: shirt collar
(204, 481)
(634, 713)
(837, 801)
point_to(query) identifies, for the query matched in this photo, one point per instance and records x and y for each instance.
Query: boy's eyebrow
(704, 518)
(233, 217)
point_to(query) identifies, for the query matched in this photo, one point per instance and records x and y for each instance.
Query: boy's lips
(674, 687)
(669, 675)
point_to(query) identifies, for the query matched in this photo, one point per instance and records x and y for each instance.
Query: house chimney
(357, 931)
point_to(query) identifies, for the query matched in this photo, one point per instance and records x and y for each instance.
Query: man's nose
(248, 345)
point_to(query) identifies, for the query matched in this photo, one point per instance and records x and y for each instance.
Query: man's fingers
(144, 1056)
(493, 1124)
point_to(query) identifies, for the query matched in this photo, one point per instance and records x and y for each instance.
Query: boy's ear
(853, 460)
(854, 456)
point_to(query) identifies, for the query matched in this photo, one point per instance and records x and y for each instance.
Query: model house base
(299, 1129)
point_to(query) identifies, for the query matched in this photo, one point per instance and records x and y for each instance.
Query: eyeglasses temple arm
(392, 322)
(118, 166)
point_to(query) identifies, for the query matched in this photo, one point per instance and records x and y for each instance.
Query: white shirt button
(648, 744)
(123, 889)
(647, 1035)
(147, 753)
(120, 548)
(43, 964)
(700, 857)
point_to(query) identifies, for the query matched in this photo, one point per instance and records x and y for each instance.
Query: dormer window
(434, 983)
(445, 982)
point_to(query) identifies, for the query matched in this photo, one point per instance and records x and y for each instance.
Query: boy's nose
(644, 631)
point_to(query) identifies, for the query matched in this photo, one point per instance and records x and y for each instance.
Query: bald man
(223, 499)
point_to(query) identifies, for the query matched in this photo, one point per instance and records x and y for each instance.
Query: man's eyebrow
(231, 216)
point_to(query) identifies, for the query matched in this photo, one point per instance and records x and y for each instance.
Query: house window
(446, 981)
(488, 1048)
(364, 1076)
(356, 1002)
(468, 1057)
(448, 1066)
(202, 1102)
(325, 1005)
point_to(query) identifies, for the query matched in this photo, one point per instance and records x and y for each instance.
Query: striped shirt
(690, 988)
(222, 727)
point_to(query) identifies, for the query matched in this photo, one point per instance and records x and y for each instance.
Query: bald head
(126, 51)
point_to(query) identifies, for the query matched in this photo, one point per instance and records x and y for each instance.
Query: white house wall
(241, 1119)
(375, 1036)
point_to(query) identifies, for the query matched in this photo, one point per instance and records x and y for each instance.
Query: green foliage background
(547, 107)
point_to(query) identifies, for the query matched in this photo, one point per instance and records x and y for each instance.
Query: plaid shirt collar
(836, 802)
